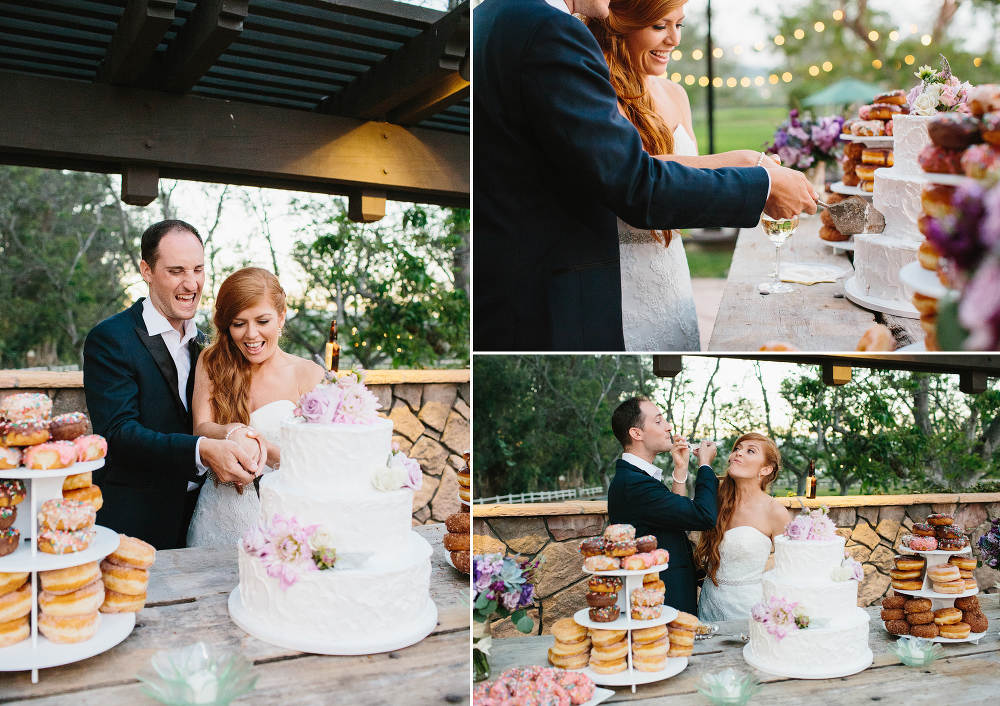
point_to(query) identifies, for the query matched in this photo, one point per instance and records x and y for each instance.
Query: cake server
(855, 215)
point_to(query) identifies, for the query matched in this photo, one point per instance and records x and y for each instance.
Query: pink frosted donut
(646, 612)
(10, 457)
(633, 563)
(90, 447)
(660, 556)
(579, 686)
(647, 559)
(601, 563)
(52, 454)
(62, 514)
(24, 406)
(619, 533)
(923, 544)
(647, 597)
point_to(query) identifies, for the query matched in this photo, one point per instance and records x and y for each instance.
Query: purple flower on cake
(287, 553)
(798, 528)
(780, 616)
(414, 476)
(321, 404)
(346, 401)
(360, 406)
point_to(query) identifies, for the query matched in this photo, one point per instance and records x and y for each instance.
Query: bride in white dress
(244, 386)
(736, 550)
(637, 37)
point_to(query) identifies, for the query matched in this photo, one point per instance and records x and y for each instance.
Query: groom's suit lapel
(161, 356)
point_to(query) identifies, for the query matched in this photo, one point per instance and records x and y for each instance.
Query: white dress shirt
(654, 471)
(177, 346)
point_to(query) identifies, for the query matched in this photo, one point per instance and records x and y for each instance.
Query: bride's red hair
(227, 368)
(707, 552)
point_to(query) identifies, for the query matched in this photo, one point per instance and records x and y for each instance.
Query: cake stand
(42, 653)
(940, 600)
(843, 669)
(631, 676)
(892, 307)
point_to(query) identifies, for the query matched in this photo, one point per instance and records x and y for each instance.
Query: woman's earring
(279, 330)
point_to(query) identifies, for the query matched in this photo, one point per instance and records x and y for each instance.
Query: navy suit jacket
(636, 498)
(131, 385)
(553, 163)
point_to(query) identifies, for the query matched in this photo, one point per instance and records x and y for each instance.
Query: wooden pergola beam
(65, 124)
(425, 66)
(212, 27)
(446, 93)
(140, 30)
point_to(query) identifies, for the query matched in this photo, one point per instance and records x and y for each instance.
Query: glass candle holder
(916, 651)
(197, 674)
(729, 687)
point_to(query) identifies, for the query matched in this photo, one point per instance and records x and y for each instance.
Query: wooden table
(187, 597)
(816, 317)
(968, 674)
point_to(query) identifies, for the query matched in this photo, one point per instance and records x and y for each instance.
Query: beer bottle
(333, 349)
(811, 480)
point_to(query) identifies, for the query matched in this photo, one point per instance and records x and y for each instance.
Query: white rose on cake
(925, 104)
(389, 477)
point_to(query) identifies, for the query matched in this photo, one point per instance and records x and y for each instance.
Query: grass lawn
(705, 262)
(738, 128)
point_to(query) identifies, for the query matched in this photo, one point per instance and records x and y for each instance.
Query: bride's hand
(681, 452)
(253, 444)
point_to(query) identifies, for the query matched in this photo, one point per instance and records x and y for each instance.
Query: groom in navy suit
(638, 497)
(138, 375)
(554, 162)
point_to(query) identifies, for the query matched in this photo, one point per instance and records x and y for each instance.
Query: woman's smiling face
(650, 47)
(255, 331)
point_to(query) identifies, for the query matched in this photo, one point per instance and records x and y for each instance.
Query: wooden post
(836, 374)
(972, 383)
(667, 366)
(366, 205)
(140, 184)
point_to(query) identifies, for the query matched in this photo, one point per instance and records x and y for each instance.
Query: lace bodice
(743, 554)
(222, 515)
(658, 312)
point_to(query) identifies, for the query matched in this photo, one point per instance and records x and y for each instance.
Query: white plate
(841, 188)
(840, 244)
(932, 552)
(21, 560)
(870, 140)
(929, 593)
(625, 622)
(948, 179)
(973, 636)
(914, 276)
(628, 572)
(675, 665)
(28, 474)
(20, 657)
(600, 695)
(447, 557)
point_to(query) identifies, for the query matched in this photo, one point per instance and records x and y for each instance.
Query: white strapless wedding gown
(222, 515)
(658, 311)
(743, 554)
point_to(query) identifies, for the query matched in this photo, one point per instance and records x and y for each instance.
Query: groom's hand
(252, 441)
(680, 452)
(706, 453)
(228, 461)
(791, 194)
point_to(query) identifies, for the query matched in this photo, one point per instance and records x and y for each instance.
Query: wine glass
(778, 230)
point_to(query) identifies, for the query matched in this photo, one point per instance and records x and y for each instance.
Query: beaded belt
(748, 582)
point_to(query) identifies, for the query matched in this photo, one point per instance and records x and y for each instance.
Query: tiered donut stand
(841, 188)
(940, 600)
(38, 652)
(630, 677)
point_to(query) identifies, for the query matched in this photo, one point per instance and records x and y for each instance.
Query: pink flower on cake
(780, 616)
(798, 528)
(414, 476)
(822, 528)
(320, 405)
(360, 406)
(254, 540)
(287, 553)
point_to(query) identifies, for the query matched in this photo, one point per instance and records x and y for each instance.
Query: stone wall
(871, 524)
(429, 410)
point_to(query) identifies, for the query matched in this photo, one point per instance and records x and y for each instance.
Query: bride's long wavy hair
(707, 552)
(625, 17)
(227, 367)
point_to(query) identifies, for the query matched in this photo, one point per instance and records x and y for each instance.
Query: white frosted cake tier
(798, 559)
(909, 133)
(359, 520)
(374, 604)
(328, 457)
(817, 652)
(897, 197)
(823, 598)
(878, 259)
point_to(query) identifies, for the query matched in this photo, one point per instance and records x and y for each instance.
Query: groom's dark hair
(154, 234)
(627, 416)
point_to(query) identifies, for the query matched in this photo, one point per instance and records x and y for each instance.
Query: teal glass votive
(729, 687)
(197, 674)
(916, 651)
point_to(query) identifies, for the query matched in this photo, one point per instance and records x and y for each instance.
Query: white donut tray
(22, 559)
(30, 474)
(914, 276)
(936, 552)
(625, 622)
(842, 188)
(973, 637)
(869, 140)
(632, 677)
(629, 572)
(840, 245)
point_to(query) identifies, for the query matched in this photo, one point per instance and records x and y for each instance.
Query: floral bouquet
(815, 525)
(938, 91)
(503, 586)
(989, 545)
(287, 549)
(780, 616)
(800, 142)
(343, 400)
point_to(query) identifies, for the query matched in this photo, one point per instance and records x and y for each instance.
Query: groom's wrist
(199, 464)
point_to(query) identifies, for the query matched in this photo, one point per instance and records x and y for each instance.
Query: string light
(745, 82)
(873, 35)
(696, 55)
(925, 40)
(773, 78)
(819, 26)
(827, 66)
(703, 81)
(717, 52)
(737, 49)
(731, 82)
(759, 46)
(877, 64)
(977, 62)
(897, 66)
(689, 80)
(717, 82)
(675, 77)
(909, 59)
(893, 35)
(787, 76)
(838, 15)
(779, 40)
(759, 80)
(814, 70)
(913, 29)
(676, 55)
(799, 34)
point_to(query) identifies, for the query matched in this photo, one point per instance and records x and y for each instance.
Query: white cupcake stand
(940, 600)
(38, 652)
(630, 677)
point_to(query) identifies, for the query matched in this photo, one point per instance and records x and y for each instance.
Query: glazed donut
(684, 621)
(651, 649)
(115, 602)
(936, 200)
(894, 602)
(936, 160)
(609, 653)
(928, 255)
(865, 171)
(928, 630)
(133, 553)
(8, 515)
(854, 151)
(650, 664)
(11, 492)
(851, 179)
(10, 582)
(947, 616)
(457, 542)
(831, 234)
(25, 405)
(976, 619)
(917, 605)
(62, 514)
(643, 635)
(884, 111)
(608, 614)
(984, 99)
(942, 573)
(922, 529)
(909, 563)
(78, 480)
(680, 650)
(93, 497)
(923, 544)
(620, 548)
(63, 581)
(564, 649)
(956, 631)
(949, 586)
(867, 185)
(645, 544)
(888, 614)
(13, 631)
(10, 457)
(868, 128)
(981, 161)
(605, 584)
(645, 612)
(606, 637)
(601, 563)
(877, 156)
(967, 603)
(897, 627)
(69, 629)
(966, 563)
(970, 584)
(953, 545)
(681, 637)
(646, 597)
(617, 533)
(27, 432)
(15, 604)
(613, 667)
(899, 575)
(954, 131)
(601, 600)
(91, 447)
(897, 97)
(67, 427)
(940, 520)
(965, 574)
(920, 618)
(65, 541)
(877, 338)
(81, 602)
(647, 559)
(660, 557)
(592, 547)
(633, 563)
(9, 539)
(990, 128)
(656, 585)
(52, 454)
(574, 661)
(124, 579)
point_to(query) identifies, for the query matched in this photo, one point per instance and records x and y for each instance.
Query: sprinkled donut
(10, 457)
(65, 542)
(25, 432)
(91, 447)
(26, 405)
(11, 492)
(62, 514)
(67, 427)
(54, 454)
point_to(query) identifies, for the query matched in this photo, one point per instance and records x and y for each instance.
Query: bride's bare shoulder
(308, 374)
(778, 514)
